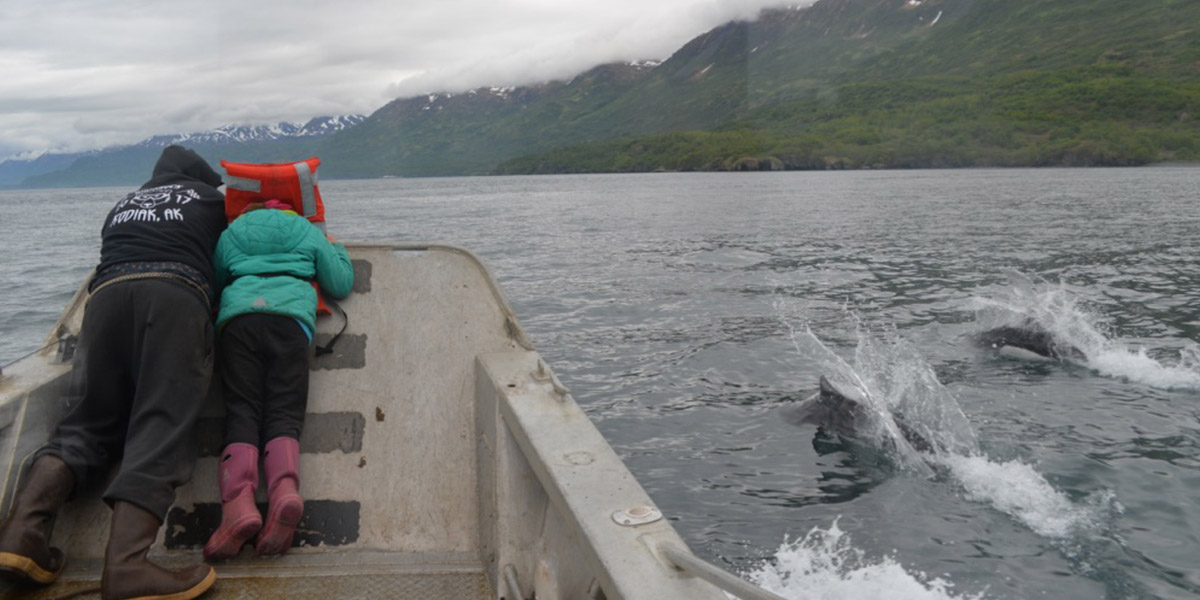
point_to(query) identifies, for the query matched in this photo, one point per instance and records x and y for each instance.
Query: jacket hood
(267, 231)
(180, 161)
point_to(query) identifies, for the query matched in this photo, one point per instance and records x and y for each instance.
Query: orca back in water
(1028, 343)
(841, 410)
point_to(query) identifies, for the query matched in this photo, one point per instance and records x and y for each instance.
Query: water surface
(685, 311)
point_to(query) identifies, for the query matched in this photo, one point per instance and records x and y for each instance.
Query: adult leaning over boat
(139, 378)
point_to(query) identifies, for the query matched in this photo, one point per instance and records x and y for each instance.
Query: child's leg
(286, 397)
(241, 369)
(286, 401)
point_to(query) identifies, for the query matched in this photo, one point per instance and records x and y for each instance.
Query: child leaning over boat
(266, 261)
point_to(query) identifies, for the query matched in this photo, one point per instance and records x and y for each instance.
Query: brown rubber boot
(129, 574)
(25, 552)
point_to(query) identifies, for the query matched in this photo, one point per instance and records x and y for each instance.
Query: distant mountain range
(837, 84)
(14, 171)
(126, 165)
(243, 134)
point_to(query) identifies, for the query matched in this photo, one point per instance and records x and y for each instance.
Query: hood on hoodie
(177, 161)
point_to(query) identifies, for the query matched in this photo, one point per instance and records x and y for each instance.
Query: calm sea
(687, 311)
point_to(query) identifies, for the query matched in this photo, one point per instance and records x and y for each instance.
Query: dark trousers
(139, 378)
(264, 377)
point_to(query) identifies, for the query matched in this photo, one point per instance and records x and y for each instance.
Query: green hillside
(469, 133)
(714, 78)
(990, 83)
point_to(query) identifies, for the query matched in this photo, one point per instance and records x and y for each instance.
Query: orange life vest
(293, 183)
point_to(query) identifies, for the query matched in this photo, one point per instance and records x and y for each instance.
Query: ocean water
(687, 312)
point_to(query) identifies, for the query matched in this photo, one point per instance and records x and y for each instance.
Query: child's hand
(330, 237)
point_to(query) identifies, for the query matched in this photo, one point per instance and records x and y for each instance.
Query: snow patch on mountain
(238, 134)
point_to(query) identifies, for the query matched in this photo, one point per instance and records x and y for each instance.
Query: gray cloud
(80, 74)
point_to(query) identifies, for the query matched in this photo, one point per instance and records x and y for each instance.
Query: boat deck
(370, 576)
(352, 575)
(441, 458)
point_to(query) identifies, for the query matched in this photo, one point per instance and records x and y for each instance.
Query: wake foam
(1016, 489)
(824, 564)
(1118, 360)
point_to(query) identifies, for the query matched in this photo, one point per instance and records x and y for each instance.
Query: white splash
(891, 374)
(1118, 360)
(897, 383)
(825, 565)
(1064, 315)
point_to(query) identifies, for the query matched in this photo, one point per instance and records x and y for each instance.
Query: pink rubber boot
(238, 478)
(281, 462)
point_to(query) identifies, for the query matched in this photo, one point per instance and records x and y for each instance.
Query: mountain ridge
(127, 164)
(835, 84)
(240, 134)
(967, 83)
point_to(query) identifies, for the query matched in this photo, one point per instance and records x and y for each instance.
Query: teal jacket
(273, 243)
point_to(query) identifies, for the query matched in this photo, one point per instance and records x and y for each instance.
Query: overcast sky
(84, 74)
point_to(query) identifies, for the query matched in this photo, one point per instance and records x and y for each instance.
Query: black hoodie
(175, 217)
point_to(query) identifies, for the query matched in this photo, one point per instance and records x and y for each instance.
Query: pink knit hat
(270, 204)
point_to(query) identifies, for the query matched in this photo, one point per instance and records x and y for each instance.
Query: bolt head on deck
(637, 515)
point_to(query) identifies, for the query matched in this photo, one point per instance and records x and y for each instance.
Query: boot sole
(15, 567)
(188, 594)
(229, 545)
(277, 535)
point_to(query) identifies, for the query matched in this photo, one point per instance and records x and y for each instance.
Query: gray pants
(139, 379)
